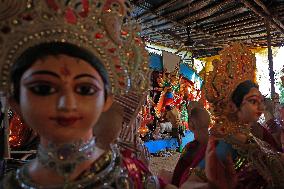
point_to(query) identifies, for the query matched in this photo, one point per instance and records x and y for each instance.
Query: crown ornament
(97, 25)
(237, 64)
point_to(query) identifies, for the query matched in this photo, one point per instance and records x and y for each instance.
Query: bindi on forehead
(65, 71)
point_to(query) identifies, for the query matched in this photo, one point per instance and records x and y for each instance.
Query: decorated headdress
(236, 65)
(98, 26)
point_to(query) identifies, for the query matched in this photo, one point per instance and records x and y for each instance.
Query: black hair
(32, 54)
(241, 90)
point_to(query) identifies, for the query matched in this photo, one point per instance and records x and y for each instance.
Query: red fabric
(267, 137)
(70, 16)
(168, 101)
(185, 124)
(85, 11)
(52, 4)
(248, 176)
(163, 184)
(137, 169)
(197, 158)
(190, 158)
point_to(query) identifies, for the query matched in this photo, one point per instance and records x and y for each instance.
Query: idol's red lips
(65, 121)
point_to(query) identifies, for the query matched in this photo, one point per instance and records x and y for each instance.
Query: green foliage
(281, 95)
(184, 114)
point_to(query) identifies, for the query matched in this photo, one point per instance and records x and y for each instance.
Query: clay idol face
(61, 97)
(252, 106)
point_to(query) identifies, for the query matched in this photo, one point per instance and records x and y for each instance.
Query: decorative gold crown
(98, 26)
(237, 64)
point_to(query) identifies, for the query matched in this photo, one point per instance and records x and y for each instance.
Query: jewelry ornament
(237, 64)
(99, 26)
(64, 158)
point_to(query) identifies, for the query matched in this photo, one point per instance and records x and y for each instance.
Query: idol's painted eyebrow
(85, 75)
(44, 72)
(254, 95)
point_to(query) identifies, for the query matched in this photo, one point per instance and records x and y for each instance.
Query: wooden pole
(270, 59)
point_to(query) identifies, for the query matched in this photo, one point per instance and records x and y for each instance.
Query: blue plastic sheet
(164, 144)
(156, 62)
(191, 75)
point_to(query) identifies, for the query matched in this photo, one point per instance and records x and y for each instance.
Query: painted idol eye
(42, 89)
(86, 89)
(253, 101)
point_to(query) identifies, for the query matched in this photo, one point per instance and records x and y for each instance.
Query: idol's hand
(220, 175)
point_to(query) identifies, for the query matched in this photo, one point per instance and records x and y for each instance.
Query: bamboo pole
(270, 59)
